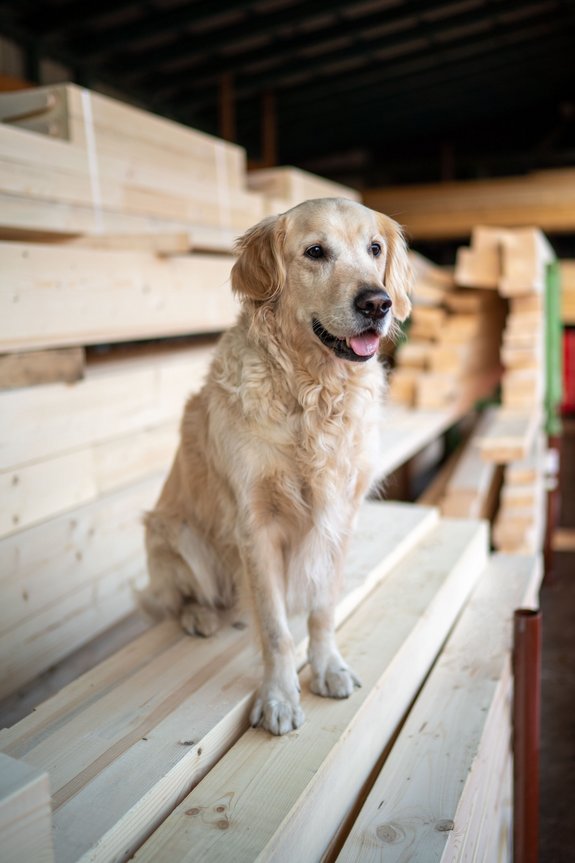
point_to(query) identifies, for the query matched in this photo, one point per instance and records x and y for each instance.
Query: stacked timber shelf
(115, 255)
(486, 321)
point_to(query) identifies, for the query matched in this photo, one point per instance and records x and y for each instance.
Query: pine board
(420, 806)
(129, 770)
(509, 436)
(255, 803)
(116, 398)
(69, 578)
(25, 815)
(50, 296)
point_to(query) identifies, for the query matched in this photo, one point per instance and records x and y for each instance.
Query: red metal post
(526, 727)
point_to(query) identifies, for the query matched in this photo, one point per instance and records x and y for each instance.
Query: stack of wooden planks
(150, 753)
(99, 166)
(451, 210)
(286, 187)
(452, 347)
(513, 264)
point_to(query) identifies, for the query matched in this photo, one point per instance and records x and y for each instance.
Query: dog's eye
(314, 252)
(375, 249)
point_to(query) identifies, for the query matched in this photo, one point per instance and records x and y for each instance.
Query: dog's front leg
(331, 676)
(277, 705)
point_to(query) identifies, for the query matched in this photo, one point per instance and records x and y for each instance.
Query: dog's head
(333, 268)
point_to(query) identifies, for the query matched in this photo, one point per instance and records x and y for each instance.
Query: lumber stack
(150, 753)
(286, 187)
(452, 345)
(472, 488)
(451, 210)
(513, 264)
(25, 812)
(76, 162)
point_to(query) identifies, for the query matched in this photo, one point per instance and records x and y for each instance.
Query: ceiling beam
(394, 27)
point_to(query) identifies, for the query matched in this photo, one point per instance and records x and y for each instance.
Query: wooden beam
(54, 296)
(431, 799)
(267, 792)
(25, 813)
(183, 703)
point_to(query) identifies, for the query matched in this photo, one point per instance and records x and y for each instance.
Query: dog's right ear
(259, 272)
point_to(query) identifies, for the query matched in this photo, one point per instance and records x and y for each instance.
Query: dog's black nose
(373, 304)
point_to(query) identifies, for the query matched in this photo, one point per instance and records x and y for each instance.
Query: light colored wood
(25, 813)
(79, 115)
(63, 581)
(124, 743)
(32, 493)
(470, 484)
(509, 436)
(453, 210)
(295, 186)
(41, 367)
(563, 539)
(116, 398)
(267, 792)
(421, 805)
(52, 297)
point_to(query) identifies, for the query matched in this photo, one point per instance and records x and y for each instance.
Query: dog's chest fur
(308, 438)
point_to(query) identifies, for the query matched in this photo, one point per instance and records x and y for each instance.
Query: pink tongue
(364, 345)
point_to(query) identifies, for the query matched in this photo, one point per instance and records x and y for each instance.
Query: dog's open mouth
(358, 348)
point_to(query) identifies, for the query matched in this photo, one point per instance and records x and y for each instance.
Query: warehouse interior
(456, 118)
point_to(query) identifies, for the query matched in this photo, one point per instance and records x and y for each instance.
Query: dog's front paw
(277, 711)
(335, 680)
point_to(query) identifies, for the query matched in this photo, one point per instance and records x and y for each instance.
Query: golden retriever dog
(281, 445)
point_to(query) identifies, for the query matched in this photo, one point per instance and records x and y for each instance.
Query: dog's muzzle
(371, 306)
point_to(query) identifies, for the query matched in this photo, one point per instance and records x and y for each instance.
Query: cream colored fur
(280, 447)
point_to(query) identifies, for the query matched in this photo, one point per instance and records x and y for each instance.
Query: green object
(553, 351)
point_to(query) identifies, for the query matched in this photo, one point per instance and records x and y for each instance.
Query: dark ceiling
(383, 91)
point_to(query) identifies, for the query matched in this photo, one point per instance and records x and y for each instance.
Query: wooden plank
(139, 734)
(468, 490)
(79, 114)
(264, 794)
(41, 367)
(421, 804)
(68, 578)
(509, 435)
(296, 186)
(52, 296)
(452, 210)
(25, 813)
(116, 398)
(34, 492)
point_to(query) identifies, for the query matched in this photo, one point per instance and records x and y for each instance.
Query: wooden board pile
(452, 349)
(451, 210)
(115, 227)
(512, 264)
(99, 166)
(150, 753)
(285, 187)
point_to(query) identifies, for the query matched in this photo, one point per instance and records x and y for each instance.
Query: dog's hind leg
(183, 575)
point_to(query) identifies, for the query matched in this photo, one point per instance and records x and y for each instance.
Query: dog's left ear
(259, 272)
(398, 273)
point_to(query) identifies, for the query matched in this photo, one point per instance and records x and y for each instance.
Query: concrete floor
(557, 765)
